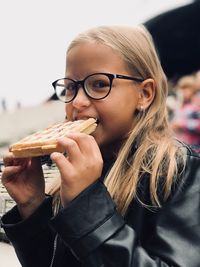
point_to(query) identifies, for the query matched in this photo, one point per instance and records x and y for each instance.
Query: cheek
(115, 122)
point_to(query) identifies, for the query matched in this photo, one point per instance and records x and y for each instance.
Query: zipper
(54, 250)
(56, 208)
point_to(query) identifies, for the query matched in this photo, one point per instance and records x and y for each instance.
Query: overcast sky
(35, 35)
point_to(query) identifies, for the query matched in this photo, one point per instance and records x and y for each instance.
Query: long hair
(157, 152)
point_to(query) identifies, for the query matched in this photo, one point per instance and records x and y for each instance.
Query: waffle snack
(44, 142)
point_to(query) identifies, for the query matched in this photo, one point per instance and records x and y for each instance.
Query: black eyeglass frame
(82, 83)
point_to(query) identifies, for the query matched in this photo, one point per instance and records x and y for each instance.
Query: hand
(82, 166)
(24, 181)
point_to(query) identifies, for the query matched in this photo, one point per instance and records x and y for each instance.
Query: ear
(147, 93)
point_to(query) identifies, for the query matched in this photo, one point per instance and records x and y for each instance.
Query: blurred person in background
(186, 118)
(3, 104)
(173, 101)
(197, 80)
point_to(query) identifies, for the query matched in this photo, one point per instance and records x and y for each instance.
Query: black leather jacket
(90, 232)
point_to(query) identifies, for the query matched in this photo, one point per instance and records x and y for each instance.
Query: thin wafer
(44, 142)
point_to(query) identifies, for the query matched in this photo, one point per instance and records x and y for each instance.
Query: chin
(97, 138)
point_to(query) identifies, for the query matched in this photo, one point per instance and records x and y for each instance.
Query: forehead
(91, 57)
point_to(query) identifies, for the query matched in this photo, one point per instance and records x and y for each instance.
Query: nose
(81, 100)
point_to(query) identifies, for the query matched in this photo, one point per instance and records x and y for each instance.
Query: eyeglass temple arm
(129, 78)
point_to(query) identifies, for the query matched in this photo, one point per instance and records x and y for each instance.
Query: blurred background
(34, 38)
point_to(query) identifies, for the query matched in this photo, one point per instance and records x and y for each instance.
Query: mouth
(86, 118)
(97, 121)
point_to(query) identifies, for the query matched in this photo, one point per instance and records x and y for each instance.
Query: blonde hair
(157, 151)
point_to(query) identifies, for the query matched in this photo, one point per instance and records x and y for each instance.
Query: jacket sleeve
(32, 238)
(99, 237)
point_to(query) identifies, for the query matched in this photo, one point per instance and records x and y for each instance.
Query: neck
(111, 150)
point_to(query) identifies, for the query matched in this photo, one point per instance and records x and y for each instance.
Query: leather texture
(91, 233)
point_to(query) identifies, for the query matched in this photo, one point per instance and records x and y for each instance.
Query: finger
(87, 143)
(82, 139)
(61, 162)
(9, 172)
(70, 146)
(10, 160)
(57, 156)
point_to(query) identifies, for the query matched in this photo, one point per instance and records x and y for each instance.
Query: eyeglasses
(96, 86)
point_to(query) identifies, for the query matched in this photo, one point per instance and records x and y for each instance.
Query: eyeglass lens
(96, 86)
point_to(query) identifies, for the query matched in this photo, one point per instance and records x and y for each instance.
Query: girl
(130, 193)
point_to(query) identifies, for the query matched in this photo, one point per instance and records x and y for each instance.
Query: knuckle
(57, 156)
(5, 159)
(86, 136)
(80, 136)
(71, 143)
(5, 175)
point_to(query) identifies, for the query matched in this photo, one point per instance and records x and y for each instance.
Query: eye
(98, 82)
(70, 87)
